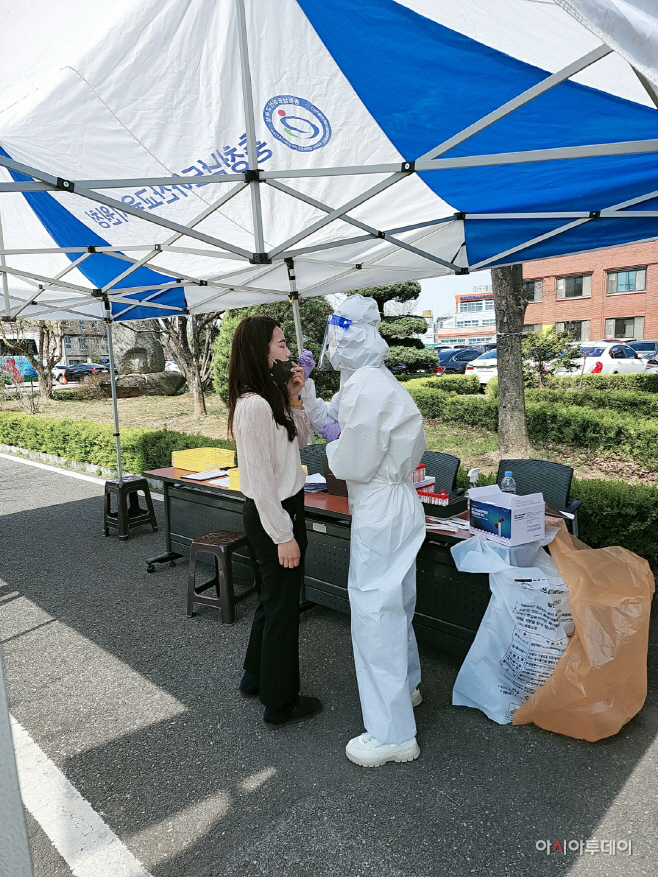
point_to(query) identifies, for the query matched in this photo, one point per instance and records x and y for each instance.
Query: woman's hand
(296, 381)
(289, 554)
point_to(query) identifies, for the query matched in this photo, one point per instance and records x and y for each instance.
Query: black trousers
(273, 650)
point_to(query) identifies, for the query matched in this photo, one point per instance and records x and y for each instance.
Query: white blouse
(270, 467)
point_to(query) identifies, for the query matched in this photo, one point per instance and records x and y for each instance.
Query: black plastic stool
(221, 546)
(129, 514)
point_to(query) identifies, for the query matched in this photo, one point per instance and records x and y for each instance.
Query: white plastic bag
(525, 628)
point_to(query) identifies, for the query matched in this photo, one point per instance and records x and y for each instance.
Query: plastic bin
(202, 459)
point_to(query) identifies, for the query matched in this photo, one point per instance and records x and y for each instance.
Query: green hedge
(624, 401)
(622, 435)
(84, 442)
(472, 410)
(463, 385)
(646, 382)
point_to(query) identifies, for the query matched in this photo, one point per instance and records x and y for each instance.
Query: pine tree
(399, 331)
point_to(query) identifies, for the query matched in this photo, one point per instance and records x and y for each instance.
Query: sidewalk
(137, 705)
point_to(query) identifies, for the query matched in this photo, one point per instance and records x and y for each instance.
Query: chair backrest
(540, 476)
(312, 456)
(443, 467)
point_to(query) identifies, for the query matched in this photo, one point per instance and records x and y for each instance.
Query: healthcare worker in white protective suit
(381, 441)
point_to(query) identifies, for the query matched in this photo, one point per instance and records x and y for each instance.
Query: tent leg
(294, 301)
(113, 384)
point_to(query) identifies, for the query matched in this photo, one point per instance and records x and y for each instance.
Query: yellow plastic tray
(234, 479)
(201, 459)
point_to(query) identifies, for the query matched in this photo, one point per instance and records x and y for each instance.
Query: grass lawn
(473, 445)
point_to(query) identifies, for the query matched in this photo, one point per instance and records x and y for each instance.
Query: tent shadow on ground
(212, 791)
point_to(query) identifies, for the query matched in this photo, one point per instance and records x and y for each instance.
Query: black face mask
(281, 371)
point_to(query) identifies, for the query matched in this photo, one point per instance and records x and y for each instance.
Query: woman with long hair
(269, 423)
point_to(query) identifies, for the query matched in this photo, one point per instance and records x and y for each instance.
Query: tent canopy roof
(214, 154)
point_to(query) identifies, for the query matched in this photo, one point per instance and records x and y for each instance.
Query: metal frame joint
(252, 175)
(595, 214)
(65, 185)
(260, 259)
(408, 167)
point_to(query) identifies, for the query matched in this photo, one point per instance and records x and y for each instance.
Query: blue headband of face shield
(336, 328)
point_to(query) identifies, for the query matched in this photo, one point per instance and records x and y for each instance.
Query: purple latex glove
(307, 362)
(330, 432)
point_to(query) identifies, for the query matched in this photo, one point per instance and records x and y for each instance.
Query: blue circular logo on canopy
(297, 122)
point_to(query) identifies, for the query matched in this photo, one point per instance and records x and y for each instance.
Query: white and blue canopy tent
(165, 156)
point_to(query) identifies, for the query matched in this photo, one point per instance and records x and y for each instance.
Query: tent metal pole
(519, 101)
(113, 384)
(5, 282)
(294, 301)
(252, 151)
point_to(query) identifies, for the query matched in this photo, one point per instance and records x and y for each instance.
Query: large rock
(158, 384)
(136, 349)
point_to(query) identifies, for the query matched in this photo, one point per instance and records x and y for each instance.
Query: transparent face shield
(336, 328)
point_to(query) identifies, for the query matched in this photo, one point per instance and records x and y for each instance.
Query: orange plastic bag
(600, 682)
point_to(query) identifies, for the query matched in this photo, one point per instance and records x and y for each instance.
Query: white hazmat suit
(380, 445)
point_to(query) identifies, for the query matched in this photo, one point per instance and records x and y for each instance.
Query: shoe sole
(247, 694)
(400, 758)
(274, 725)
(416, 701)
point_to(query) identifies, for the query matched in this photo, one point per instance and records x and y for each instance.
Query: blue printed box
(505, 517)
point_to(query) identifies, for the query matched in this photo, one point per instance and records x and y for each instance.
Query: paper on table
(220, 482)
(316, 479)
(204, 476)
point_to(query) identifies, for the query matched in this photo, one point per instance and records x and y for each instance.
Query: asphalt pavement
(137, 705)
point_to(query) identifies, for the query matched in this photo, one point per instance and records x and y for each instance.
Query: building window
(488, 306)
(628, 328)
(533, 290)
(469, 307)
(488, 322)
(633, 280)
(461, 324)
(578, 286)
(532, 327)
(578, 328)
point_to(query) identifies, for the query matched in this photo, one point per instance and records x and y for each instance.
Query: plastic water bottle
(508, 485)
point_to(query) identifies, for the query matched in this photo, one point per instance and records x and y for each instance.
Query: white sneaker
(416, 698)
(369, 752)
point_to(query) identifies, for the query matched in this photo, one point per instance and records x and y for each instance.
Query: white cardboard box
(505, 517)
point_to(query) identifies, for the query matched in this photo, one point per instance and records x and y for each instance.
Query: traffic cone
(63, 381)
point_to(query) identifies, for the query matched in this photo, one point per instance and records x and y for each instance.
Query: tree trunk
(196, 389)
(510, 304)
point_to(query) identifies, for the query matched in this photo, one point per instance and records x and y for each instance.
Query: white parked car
(606, 358)
(485, 366)
(171, 366)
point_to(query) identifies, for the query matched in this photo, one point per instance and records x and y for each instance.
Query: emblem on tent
(297, 122)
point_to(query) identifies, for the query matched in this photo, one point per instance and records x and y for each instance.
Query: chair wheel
(150, 567)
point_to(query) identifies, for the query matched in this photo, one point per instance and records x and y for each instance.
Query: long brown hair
(249, 371)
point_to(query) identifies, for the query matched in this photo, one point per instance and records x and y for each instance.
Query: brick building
(474, 320)
(610, 293)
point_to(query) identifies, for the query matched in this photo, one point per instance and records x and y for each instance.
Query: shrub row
(471, 410)
(624, 401)
(84, 442)
(623, 435)
(646, 382)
